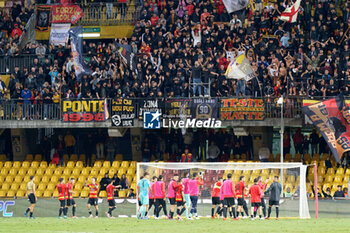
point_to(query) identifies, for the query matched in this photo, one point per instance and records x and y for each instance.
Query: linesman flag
(290, 14)
(332, 117)
(240, 68)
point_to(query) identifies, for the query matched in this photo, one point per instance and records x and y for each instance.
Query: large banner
(59, 33)
(332, 118)
(242, 109)
(43, 17)
(203, 109)
(77, 52)
(123, 112)
(84, 110)
(149, 105)
(66, 14)
(177, 109)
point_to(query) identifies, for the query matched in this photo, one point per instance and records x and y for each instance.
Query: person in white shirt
(213, 152)
(264, 153)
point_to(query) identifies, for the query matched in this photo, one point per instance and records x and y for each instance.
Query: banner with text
(66, 14)
(149, 105)
(203, 109)
(332, 119)
(242, 109)
(123, 112)
(84, 110)
(177, 108)
(59, 33)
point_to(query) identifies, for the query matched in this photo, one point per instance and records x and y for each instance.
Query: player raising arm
(194, 192)
(70, 200)
(144, 188)
(159, 194)
(93, 187)
(275, 191)
(31, 197)
(62, 189)
(111, 202)
(171, 194)
(215, 197)
(255, 198)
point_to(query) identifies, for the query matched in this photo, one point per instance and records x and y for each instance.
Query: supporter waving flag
(127, 56)
(290, 14)
(76, 44)
(332, 118)
(235, 5)
(240, 68)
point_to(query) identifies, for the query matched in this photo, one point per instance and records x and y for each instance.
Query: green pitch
(47, 225)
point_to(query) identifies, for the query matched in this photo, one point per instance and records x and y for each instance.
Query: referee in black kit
(275, 191)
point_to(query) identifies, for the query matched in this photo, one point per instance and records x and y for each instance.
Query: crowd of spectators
(184, 47)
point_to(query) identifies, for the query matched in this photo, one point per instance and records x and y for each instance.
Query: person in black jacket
(339, 192)
(46, 149)
(104, 182)
(275, 191)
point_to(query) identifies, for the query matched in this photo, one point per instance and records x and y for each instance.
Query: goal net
(292, 176)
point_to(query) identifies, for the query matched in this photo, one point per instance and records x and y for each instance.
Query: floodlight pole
(281, 133)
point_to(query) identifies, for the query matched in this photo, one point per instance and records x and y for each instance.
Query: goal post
(294, 180)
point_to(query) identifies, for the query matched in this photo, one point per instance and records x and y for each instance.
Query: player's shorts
(92, 201)
(151, 202)
(70, 202)
(271, 202)
(256, 204)
(62, 203)
(222, 202)
(240, 201)
(31, 198)
(111, 203)
(215, 200)
(172, 201)
(229, 201)
(144, 200)
(180, 203)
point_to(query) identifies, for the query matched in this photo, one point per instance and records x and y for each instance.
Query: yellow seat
(18, 179)
(81, 179)
(76, 172)
(321, 170)
(49, 171)
(122, 193)
(121, 171)
(1, 164)
(58, 171)
(79, 164)
(23, 186)
(7, 164)
(78, 186)
(51, 186)
(82, 157)
(5, 186)
(2, 179)
(2, 193)
(67, 171)
(25, 164)
(70, 164)
(40, 171)
(133, 186)
(330, 171)
(14, 186)
(65, 157)
(20, 193)
(31, 172)
(45, 179)
(34, 164)
(84, 193)
(94, 172)
(43, 164)
(133, 164)
(55, 194)
(125, 164)
(106, 164)
(38, 157)
(16, 164)
(74, 157)
(119, 157)
(26, 178)
(85, 171)
(346, 179)
(297, 158)
(338, 179)
(9, 179)
(47, 193)
(13, 171)
(39, 193)
(54, 179)
(340, 171)
(103, 194)
(52, 165)
(29, 157)
(116, 164)
(3, 157)
(97, 164)
(11, 193)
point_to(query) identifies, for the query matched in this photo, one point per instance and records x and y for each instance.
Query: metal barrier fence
(8, 63)
(20, 110)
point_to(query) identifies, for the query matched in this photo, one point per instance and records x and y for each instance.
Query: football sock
(251, 216)
(264, 211)
(73, 211)
(245, 210)
(96, 212)
(259, 215)
(27, 210)
(171, 214)
(254, 213)
(225, 212)
(182, 210)
(65, 211)
(234, 212)
(241, 214)
(277, 212)
(60, 212)
(212, 212)
(146, 213)
(31, 214)
(230, 212)
(90, 213)
(269, 212)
